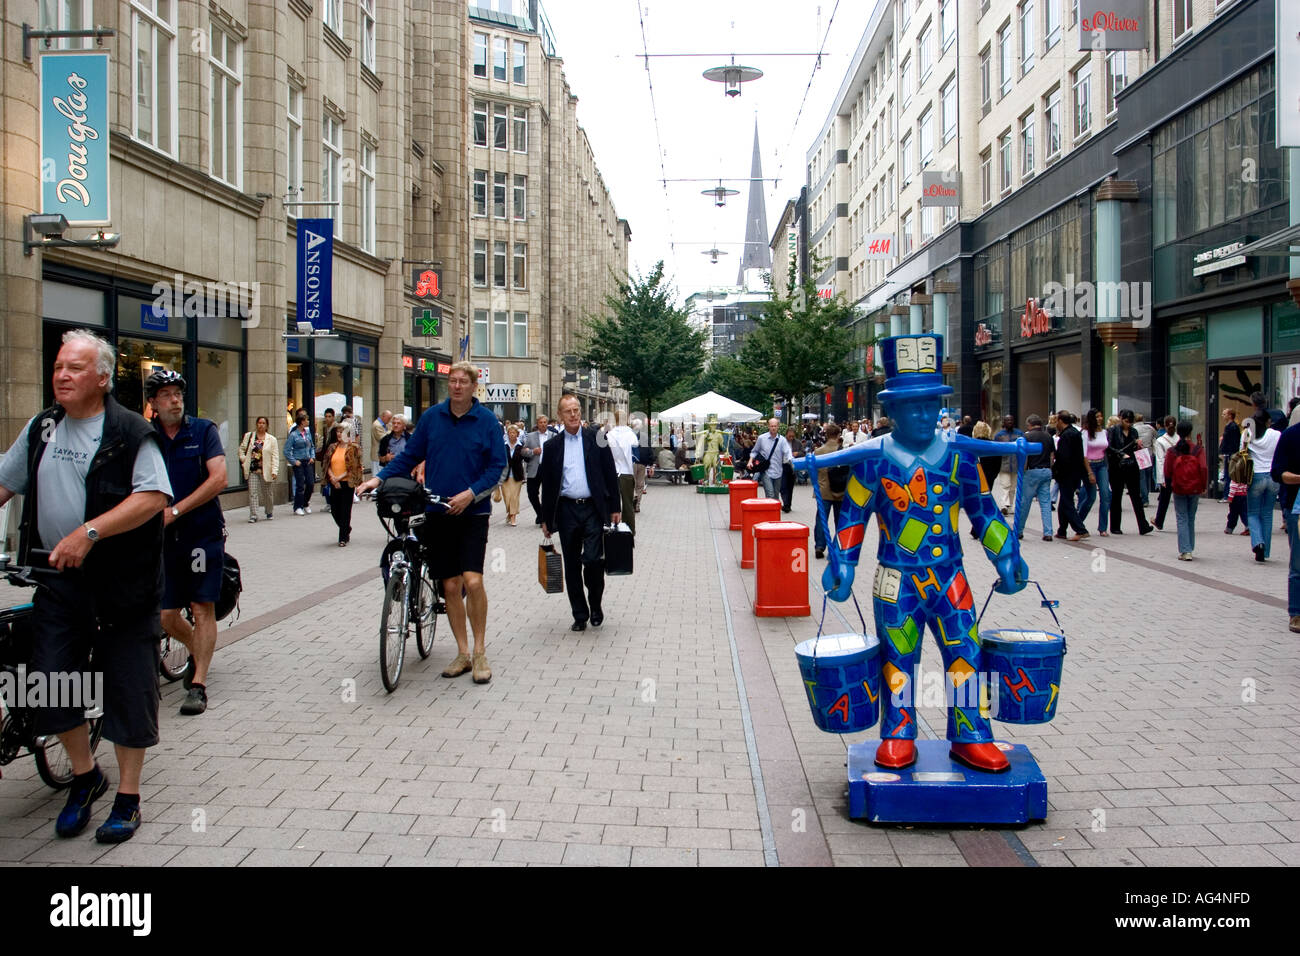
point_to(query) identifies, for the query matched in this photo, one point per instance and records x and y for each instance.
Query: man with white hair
(378, 429)
(773, 449)
(94, 486)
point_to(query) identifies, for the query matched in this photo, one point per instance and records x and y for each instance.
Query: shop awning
(1282, 241)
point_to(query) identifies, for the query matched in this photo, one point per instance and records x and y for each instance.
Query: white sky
(704, 133)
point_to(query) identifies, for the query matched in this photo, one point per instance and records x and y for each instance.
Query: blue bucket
(841, 675)
(1025, 673)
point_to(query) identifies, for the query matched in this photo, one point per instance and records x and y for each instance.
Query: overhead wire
(668, 212)
(821, 50)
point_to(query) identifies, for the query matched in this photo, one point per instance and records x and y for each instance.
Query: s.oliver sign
(1112, 24)
(941, 188)
(74, 137)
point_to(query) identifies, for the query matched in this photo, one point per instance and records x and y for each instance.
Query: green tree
(644, 340)
(802, 344)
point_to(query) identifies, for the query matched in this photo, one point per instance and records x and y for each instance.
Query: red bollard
(752, 511)
(781, 583)
(738, 490)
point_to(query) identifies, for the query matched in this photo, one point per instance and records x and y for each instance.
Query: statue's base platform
(711, 489)
(938, 789)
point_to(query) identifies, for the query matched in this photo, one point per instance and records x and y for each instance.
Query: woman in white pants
(259, 454)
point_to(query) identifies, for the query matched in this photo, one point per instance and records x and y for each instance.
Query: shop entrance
(1230, 387)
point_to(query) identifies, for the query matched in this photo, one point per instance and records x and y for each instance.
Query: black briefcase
(618, 549)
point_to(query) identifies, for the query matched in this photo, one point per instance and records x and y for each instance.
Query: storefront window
(137, 359)
(1048, 251)
(364, 390)
(328, 394)
(990, 295)
(991, 391)
(218, 401)
(1187, 395)
(1236, 332)
(1286, 327)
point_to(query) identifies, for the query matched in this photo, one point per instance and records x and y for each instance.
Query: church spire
(757, 255)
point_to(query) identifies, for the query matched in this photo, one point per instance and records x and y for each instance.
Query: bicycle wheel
(173, 658)
(52, 761)
(393, 623)
(426, 614)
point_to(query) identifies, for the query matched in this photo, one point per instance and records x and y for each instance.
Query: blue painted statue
(916, 480)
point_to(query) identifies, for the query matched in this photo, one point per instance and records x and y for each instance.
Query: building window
(904, 14)
(905, 157)
(948, 104)
(1074, 12)
(368, 198)
(925, 138)
(986, 79)
(1026, 37)
(294, 115)
(1182, 19)
(331, 185)
(153, 36)
(499, 264)
(480, 55)
(889, 192)
(519, 336)
(986, 178)
(480, 269)
(521, 129)
(521, 265)
(928, 214)
(480, 192)
(332, 13)
(521, 62)
(499, 125)
(68, 15)
(225, 118)
(1004, 60)
(1051, 23)
(368, 34)
(480, 332)
(1027, 145)
(905, 79)
(520, 196)
(499, 58)
(1004, 154)
(1052, 122)
(480, 123)
(1082, 99)
(925, 53)
(905, 231)
(501, 334)
(1116, 80)
(499, 195)
(947, 22)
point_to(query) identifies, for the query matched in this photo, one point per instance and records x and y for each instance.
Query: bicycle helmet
(160, 379)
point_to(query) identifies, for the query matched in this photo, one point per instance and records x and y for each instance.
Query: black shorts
(189, 579)
(454, 544)
(125, 654)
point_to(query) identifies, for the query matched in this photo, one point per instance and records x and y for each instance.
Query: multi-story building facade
(233, 120)
(1012, 101)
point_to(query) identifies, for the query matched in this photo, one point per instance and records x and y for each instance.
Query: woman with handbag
(1259, 441)
(259, 455)
(514, 475)
(1095, 442)
(1123, 445)
(343, 472)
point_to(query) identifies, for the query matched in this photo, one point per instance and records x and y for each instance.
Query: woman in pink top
(1094, 450)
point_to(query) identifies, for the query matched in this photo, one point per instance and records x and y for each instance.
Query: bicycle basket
(400, 498)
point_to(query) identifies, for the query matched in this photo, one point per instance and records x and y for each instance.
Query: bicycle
(18, 723)
(174, 660)
(412, 598)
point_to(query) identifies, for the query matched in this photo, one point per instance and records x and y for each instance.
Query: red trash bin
(738, 490)
(752, 511)
(781, 582)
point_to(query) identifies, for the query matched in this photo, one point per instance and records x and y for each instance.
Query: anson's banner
(74, 136)
(316, 272)
(1112, 24)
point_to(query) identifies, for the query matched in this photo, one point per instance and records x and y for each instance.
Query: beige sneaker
(458, 666)
(482, 673)
(1295, 624)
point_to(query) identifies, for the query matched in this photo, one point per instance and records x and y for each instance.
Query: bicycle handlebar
(23, 575)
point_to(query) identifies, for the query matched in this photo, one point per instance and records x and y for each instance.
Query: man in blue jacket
(459, 443)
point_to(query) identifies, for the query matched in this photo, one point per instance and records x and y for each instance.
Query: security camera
(304, 328)
(48, 224)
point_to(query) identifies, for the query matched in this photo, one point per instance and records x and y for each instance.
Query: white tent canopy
(710, 403)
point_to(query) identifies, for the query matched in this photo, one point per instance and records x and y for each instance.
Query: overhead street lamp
(732, 75)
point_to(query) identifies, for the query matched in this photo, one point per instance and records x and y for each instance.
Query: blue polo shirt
(458, 453)
(187, 456)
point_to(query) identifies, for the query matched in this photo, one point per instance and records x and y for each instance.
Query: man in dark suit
(1070, 470)
(580, 495)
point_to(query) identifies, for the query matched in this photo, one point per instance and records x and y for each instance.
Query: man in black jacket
(1229, 444)
(580, 495)
(1070, 470)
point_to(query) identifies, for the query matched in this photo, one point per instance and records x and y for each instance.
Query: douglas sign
(74, 137)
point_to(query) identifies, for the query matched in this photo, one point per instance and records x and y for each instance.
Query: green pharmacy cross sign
(426, 321)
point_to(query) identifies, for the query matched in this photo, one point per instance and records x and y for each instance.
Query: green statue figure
(708, 447)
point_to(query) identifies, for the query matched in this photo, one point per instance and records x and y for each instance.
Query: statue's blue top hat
(913, 366)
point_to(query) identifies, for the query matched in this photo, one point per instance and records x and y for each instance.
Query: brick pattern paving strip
(1174, 741)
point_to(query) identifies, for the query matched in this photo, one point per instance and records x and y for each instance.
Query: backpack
(1240, 466)
(232, 585)
(1188, 477)
(837, 479)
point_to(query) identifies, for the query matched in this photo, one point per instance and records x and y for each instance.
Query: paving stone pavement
(1174, 742)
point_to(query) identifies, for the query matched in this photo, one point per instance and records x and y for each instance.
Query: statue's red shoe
(895, 754)
(986, 757)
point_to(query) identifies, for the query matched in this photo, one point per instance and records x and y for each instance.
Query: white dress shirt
(622, 443)
(574, 483)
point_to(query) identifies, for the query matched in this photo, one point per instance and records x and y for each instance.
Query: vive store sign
(1112, 25)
